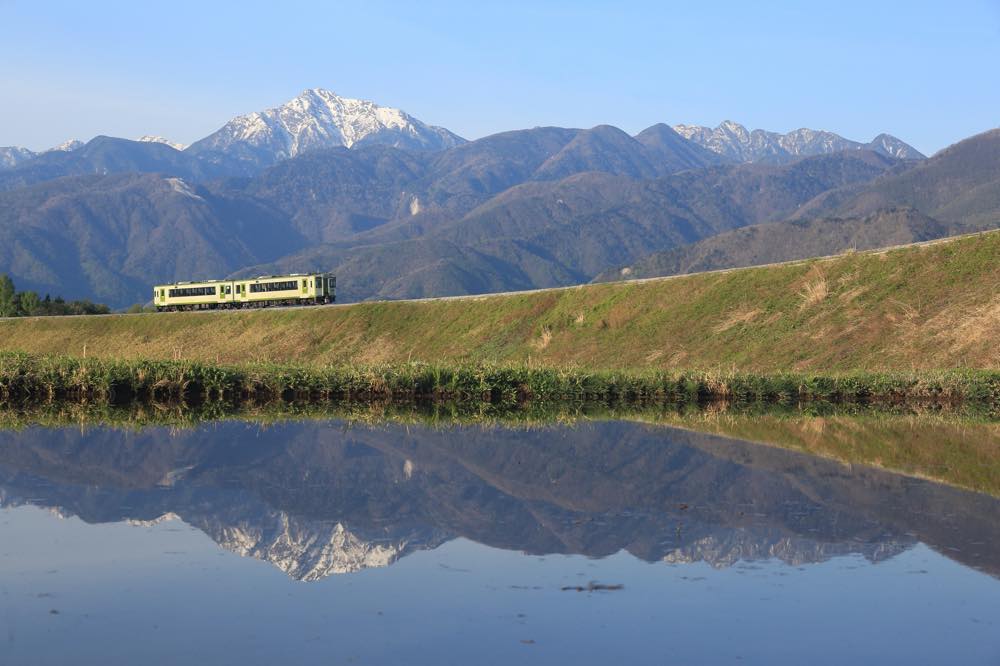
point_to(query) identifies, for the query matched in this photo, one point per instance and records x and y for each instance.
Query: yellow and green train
(261, 292)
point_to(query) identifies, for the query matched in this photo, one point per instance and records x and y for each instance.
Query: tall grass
(34, 377)
(15, 415)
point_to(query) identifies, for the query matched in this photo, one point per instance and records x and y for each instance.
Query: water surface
(328, 542)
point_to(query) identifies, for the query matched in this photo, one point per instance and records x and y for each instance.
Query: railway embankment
(924, 307)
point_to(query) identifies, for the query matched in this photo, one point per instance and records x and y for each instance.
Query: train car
(296, 289)
(210, 294)
(265, 291)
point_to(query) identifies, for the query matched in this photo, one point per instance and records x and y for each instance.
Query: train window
(229, 289)
(289, 285)
(179, 292)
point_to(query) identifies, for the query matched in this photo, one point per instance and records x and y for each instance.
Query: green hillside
(922, 307)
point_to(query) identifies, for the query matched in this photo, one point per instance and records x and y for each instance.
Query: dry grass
(971, 331)
(543, 340)
(979, 326)
(815, 291)
(742, 315)
(852, 295)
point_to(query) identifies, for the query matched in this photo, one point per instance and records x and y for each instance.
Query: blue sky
(928, 72)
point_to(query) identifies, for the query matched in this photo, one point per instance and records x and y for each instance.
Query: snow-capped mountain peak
(152, 138)
(890, 145)
(67, 146)
(735, 142)
(11, 156)
(733, 128)
(319, 118)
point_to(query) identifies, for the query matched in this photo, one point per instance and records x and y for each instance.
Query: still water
(322, 542)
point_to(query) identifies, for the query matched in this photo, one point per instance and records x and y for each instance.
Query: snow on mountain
(890, 145)
(321, 119)
(736, 142)
(308, 553)
(68, 146)
(726, 548)
(151, 138)
(11, 156)
(310, 550)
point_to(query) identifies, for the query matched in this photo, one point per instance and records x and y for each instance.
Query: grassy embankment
(921, 320)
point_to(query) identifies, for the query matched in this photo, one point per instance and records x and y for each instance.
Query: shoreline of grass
(29, 377)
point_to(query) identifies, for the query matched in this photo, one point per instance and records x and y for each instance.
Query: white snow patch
(178, 185)
(151, 138)
(67, 146)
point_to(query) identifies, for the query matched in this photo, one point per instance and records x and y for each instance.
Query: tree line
(14, 303)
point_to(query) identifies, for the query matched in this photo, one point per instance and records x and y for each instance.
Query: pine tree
(8, 304)
(29, 303)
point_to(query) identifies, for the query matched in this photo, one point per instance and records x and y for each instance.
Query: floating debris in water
(592, 586)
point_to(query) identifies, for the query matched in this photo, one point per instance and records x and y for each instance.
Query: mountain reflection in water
(324, 497)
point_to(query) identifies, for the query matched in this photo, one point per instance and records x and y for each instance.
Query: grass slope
(922, 307)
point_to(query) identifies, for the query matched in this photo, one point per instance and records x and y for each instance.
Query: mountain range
(735, 142)
(956, 191)
(318, 118)
(398, 208)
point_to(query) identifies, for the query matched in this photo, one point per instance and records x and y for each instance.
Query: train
(261, 292)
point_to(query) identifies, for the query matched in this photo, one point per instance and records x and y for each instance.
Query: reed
(45, 378)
